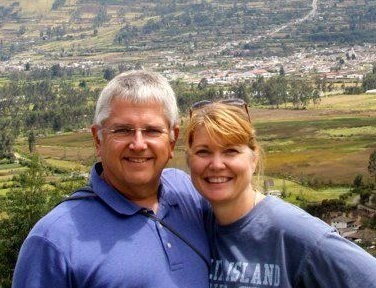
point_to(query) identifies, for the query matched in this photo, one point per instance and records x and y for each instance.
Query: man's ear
(97, 141)
(176, 131)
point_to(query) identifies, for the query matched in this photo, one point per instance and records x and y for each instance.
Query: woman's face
(221, 173)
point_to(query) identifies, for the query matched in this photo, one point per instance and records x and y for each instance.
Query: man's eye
(153, 132)
(122, 131)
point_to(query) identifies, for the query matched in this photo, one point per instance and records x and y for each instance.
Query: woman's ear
(256, 155)
(255, 159)
(187, 159)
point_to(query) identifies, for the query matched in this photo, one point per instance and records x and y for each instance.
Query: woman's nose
(217, 162)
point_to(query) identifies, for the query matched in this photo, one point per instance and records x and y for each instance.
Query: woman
(257, 240)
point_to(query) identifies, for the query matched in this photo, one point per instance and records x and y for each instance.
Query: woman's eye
(231, 151)
(202, 153)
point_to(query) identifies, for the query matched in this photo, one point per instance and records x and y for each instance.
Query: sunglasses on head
(232, 102)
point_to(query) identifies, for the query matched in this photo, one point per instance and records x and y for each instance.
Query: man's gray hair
(138, 86)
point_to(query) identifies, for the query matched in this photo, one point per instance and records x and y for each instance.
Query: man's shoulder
(63, 219)
(177, 183)
(55, 221)
(175, 172)
(175, 177)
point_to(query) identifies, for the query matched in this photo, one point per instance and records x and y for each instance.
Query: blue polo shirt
(104, 242)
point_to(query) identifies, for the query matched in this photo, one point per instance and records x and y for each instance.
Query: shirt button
(160, 225)
(169, 245)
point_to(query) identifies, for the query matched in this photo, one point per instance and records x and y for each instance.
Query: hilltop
(188, 37)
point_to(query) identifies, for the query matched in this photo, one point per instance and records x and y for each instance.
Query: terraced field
(323, 145)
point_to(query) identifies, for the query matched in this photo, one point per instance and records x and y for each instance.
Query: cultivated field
(323, 145)
(330, 143)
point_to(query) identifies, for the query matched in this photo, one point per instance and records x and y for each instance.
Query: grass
(8, 166)
(7, 172)
(75, 148)
(294, 190)
(66, 165)
(3, 192)
(346, 102)
(67, 140)
(333, 149)
(322, 145)
(39, 6)
(349, 132)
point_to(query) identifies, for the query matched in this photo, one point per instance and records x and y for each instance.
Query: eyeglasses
(124, 133)
(232, 101)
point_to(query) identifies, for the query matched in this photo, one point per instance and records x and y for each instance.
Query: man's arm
(41, 265)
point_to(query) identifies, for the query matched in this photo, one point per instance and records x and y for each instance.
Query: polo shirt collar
(116, 201)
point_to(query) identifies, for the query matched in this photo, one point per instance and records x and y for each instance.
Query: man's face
(133, 163)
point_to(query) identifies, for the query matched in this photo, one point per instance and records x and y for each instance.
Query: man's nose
(138, 141)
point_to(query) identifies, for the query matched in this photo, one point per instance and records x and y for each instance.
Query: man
(109, 236)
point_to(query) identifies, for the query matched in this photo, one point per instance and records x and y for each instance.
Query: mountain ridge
(194, 32)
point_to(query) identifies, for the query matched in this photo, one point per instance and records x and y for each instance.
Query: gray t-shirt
(280, 245)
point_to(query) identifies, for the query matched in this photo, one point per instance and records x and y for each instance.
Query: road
(312, 14)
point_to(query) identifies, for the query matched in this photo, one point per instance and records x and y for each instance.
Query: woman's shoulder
(293, 220)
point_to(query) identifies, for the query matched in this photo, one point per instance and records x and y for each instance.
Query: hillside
(186, 36)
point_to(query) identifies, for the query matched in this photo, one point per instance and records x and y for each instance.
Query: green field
(325, 146)
(7, 172)
(328, 149)
(295, 190)
(329, 143)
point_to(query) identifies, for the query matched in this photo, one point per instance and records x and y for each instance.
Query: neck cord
(152, 216)
(144, 212)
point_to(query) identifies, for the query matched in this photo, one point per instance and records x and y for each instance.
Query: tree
(240, 90)
(327, 205)
(101, 17)
(358, 183)
(203, 84)
(21, 30)
(27, 66)
(369, 81)
(56, 70)
(82, 84)
(372, 165)
(258, 89)
(302, 92)
(57, 4)
(22, 207)
(6, 143)
(31, 141)
(275, 90)
(108, 73)
(10, 118)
